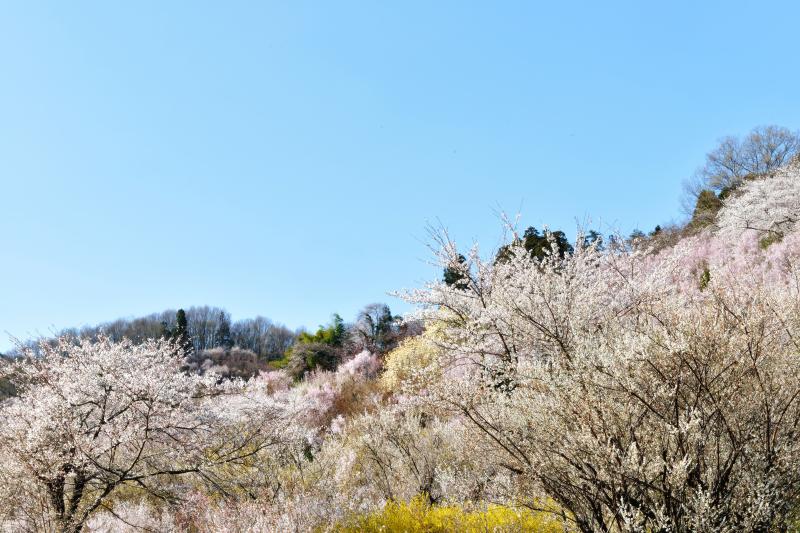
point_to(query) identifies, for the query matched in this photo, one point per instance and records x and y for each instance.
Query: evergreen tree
(223, 333)
(455, 274)
(539, 244)
(181, 332)
(593, 237)
(637, 235)
(338, 330)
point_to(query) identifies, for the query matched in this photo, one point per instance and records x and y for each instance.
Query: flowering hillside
(768, 204)
(601, 387)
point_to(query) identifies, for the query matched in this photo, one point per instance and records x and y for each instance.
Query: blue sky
(283, 159)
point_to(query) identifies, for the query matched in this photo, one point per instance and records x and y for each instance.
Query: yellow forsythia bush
(413, 354)
(418, 516)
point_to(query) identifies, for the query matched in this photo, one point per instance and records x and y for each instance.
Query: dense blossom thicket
(768, 204)
(612, 387)
(94, 421)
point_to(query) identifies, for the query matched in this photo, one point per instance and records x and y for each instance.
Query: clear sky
(283, 159)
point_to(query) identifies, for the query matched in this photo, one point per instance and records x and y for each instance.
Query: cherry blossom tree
(621, 386)
(94, 419)
(769, 205)
(644, 387)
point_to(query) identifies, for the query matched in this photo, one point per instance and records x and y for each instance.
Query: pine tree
(539, 244)
(223, 334)
(455, 274)
(181, 332)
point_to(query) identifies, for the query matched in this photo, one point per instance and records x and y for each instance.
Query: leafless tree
(764, 149)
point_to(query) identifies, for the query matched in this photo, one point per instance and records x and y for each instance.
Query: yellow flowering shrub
(418, 516)
(414, 353)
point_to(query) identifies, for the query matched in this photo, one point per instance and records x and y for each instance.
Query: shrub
(706, 209)
(228, 363)
(305, 357)
(419, 516)
(412, 355)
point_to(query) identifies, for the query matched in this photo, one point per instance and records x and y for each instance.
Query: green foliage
(455, 275)
(305, 357)
(332, 335)
(321, 349)
(180, 322)
(539, 244)
(726, 191)
(636, 235)
(223, 333)
(706, 209)
(770, 239)
(593, 237)
(7, 388)
(419, 516)
(181, 332)
(377, 328)
(705, 278)
(282, 363)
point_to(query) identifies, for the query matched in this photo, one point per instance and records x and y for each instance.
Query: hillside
(642, 384)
